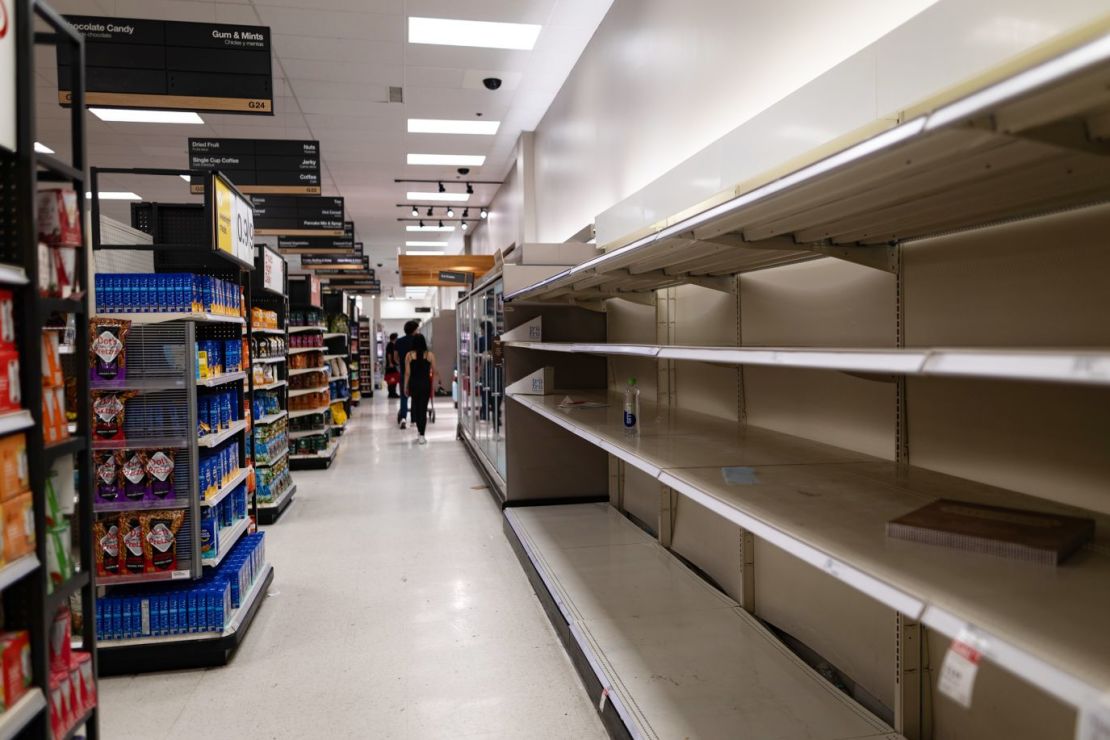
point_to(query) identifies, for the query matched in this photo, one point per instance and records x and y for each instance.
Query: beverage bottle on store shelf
(631, 409)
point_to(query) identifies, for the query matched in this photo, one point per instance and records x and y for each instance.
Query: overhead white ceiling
(333, 62)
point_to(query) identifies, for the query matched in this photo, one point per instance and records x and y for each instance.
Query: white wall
(512, 212)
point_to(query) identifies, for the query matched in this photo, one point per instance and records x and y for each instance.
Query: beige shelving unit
(916, 313)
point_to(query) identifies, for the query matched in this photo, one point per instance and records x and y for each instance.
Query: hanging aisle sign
(133, 63)
(8, 87)
(315, 245)
(298, 215)
(335, 261)
(273, 270)
(266, 166)
(234, 222)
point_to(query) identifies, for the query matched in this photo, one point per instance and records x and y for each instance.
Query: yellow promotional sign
(225, 240)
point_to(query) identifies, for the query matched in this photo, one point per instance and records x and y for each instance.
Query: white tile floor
(398, 610)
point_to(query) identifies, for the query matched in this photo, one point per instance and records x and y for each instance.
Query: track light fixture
(429, 211)
(466, 212)
(421, 223)
(441, 224)
(415, 212)
(465, 226)
(484, 213)
(450, 212)
(469, 189)
(441, 188)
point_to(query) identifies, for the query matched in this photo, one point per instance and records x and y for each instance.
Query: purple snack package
(136, 480)
(107, 348)
(107, 477)
(160, 467)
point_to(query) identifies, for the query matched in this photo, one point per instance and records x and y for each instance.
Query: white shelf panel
(228, 537)
(12, 274)
(302, 350)
(222, 379)
(271, 386)
(303, 329)
(638, 613)
(305, 391)
(227, 488)
(25, 709)
(334, 335)
(951, 164)
(16, 569)
(829, 507)
(269, 360)
(271, 418)
(159, 318)
(305, 370)
(335, 357)
(213, 440)
(309, 433)
(341, 377)
(309, 412)
(15, 421)
(1065, 365)
(260, 330)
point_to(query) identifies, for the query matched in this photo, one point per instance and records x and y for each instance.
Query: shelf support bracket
(667, 511)
(644, 299)
(747, 571)
(908, 678)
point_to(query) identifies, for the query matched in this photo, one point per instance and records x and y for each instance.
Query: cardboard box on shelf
(14, 475)
(58, 218)
(54, 426)
(11, 395)
(19, 527)
(15, 665)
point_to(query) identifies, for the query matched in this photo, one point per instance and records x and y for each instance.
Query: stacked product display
(173, 412)
(310, 399)
(353, 364)
(365, 357)
(274, 365)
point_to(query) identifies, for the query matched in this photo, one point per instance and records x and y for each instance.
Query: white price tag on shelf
(961, 664)
(1094, 720)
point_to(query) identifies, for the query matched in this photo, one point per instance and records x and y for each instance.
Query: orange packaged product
(52, 373)
(54, 428)
(11, 395)
(19, 527)
(14, 476)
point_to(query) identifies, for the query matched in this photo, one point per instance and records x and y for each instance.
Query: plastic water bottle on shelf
(632, 409)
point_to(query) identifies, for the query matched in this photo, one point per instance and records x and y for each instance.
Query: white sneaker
(421, 440)
(403, 425)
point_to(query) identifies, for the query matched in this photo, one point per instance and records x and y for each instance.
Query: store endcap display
(539, 383)
(529, 331)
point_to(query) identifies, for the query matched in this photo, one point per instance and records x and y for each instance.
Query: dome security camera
(492, 83)
(464, 171)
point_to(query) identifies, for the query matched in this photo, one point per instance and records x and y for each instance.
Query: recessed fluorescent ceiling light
(460, 160)
(115, 195)
(446, 197)
(425, 244)
(429, 228)
(444, 126)
(43, 148)
(426, 252)
(118, 115)
(487, 34)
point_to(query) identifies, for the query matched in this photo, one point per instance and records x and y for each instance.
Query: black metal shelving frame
(190, 249)
(30, 596)
(300, 297)
(265, 298)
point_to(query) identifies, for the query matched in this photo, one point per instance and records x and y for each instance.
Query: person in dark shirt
(392, 365)
(402, 348)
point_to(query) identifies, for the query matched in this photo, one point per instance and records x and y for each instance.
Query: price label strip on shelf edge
(960, 666)
(1094, 720)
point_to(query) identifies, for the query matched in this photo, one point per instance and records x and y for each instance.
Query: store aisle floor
(398, 610)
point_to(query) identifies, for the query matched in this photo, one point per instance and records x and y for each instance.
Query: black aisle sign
(335, 261)
(315, 245)
(299, 215)
(132, 63)
(259, 165)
